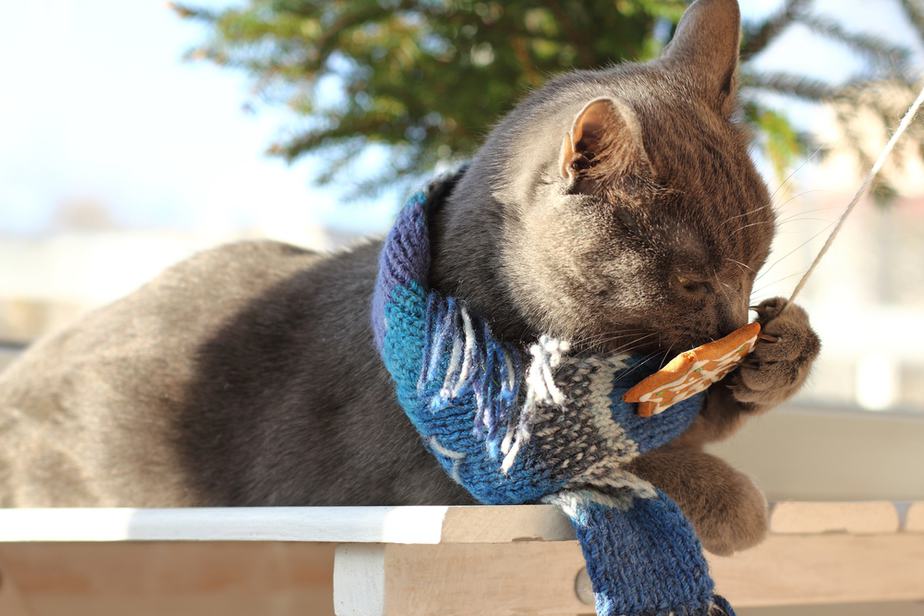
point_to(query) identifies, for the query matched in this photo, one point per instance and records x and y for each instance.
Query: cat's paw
(782, 358)
(738, 519)
(728, 512)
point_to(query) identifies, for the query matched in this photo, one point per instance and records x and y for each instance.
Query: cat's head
(617, 204)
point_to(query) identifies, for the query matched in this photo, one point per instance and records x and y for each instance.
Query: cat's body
(617, 208)
(240, 401)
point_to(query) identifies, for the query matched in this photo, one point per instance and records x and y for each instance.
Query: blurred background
(133, 134)
(136, 133)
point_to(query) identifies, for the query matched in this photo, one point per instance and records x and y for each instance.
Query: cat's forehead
(715, 221)
(701, 157)
(714, 204)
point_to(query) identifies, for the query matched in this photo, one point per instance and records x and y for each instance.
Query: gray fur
(247, 374)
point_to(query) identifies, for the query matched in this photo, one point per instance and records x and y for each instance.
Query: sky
(98, 105)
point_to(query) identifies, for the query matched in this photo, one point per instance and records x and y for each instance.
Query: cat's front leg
(727, 510)
(774, 371)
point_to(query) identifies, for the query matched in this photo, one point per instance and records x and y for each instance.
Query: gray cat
(616, 208)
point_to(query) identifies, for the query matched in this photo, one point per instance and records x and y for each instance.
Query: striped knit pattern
(539, 425)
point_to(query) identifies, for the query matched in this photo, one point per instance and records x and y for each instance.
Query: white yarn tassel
(547, 354)
(467, 352)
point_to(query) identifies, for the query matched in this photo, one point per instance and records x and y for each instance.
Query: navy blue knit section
(659, 567)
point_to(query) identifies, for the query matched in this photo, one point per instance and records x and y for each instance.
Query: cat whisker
(796, 219)
(619, 332)
(753, 224)
(794, 231)
(799, 196)
(604, 337)
(627, 351)
(622, 347)
(642, 362)
(795, 171)
(796, 249)
(615, 332)
(629, 346)
(770, 284)
(745, 266)
(748, 213)
(635, 343)
(721, 284)
(770, 204)
(638, 338)
(806, 212)
(816, 210)
(666, 355)
(776, 207)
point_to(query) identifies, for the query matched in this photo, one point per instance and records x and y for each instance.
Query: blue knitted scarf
(524, 426)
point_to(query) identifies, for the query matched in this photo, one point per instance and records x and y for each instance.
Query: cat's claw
(781, 359)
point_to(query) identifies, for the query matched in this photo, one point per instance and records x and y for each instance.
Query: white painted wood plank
(417, 525)
(423, 525)
(359, 580)
(327, 524)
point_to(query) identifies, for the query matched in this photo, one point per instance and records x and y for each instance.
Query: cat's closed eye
(691, 286)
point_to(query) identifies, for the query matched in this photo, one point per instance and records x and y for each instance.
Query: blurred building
(866, 299)
(47, 282)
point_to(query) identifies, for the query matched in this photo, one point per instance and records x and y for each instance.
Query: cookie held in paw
(692, 371)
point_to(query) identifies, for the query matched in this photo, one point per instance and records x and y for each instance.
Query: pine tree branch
(876, 48)
(191, 12)
(410, 83)
(789, 84)
(756, 40)
(574, 34)
(914, 9)
(346, 128)
(326, 44)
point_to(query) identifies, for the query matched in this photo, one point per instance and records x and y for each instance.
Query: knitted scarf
(524, 426)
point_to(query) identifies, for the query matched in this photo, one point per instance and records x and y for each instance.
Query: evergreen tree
(427, 78)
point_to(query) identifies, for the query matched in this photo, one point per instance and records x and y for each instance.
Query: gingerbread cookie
(692, 371)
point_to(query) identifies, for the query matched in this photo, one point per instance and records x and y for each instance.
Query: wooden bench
(413, 561)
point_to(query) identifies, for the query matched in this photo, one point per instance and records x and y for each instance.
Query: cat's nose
(731, 318)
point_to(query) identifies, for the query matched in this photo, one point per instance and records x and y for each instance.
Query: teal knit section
(405, 318)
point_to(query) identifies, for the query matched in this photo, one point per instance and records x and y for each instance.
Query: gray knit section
(577, 435)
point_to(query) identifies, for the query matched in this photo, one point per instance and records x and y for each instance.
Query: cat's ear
(705, 47)
(605, 141)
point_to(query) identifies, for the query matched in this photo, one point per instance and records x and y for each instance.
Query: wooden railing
(413, 561)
